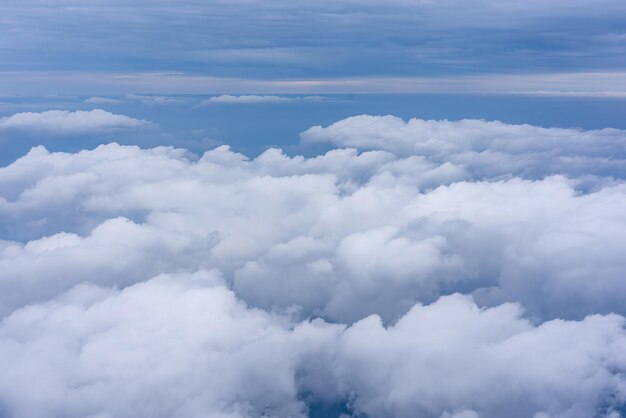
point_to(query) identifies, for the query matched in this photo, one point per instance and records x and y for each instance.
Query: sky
(247, 46)
(329, 209)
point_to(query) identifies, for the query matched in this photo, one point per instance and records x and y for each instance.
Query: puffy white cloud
(341, 235)
(169, 347)
(67, 122)
(444, 257)
(452, 356)
(116, 253)
(484, 149)
(183, 345)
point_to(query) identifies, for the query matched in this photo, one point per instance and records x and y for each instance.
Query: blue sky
(550, 63)
(300, 46)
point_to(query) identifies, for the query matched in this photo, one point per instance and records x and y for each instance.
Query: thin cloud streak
(582, 84)
(259, 99)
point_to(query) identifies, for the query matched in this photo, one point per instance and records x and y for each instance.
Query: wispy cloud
(137, 86)
(552, 93)
(154, 100)
(278, 39)
(259, 99)
(103, 100)
(147, 99)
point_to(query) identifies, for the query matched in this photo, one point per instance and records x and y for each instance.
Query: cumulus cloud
(183, 345)
(486, 149)
(67, 122)
(259, 99)
(335, 229)
(454, 357)
(387, 276)
(180, 349)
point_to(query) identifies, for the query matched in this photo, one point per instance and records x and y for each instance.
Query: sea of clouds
(417, 269)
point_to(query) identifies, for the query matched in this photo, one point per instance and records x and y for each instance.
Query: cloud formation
(184, 346)
(431, 268)
(67, 122)
(486, 149)
(259, 99)
(103, 100)
(266, 40)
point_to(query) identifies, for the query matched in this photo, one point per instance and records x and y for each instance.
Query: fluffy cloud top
(67, 122)
(184, 346)
(423, 268)
(487, 149)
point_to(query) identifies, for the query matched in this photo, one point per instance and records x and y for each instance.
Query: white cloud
(154, 100)
(66, 122)
(36, 83)
(526, 222)
(184, 346)
(103, 100)
(549, 93)
(255, 99)
(348, 234)
(485, 149)
(169, 347)
(452, 356)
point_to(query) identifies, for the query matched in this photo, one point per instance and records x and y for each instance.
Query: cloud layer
(67, 122)
(266, 40)
(259, 99)
(421, 268)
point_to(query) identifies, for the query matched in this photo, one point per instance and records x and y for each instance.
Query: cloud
(337, 228)
(154, 100)
(455, 357)
(385, 277)
(183, 345)
(486, 149)
(103, 100)
(181, 349)
(254, 99)
(67, 122)
(596, 83)
(274, 39)
(551, 93)
(141, 98)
